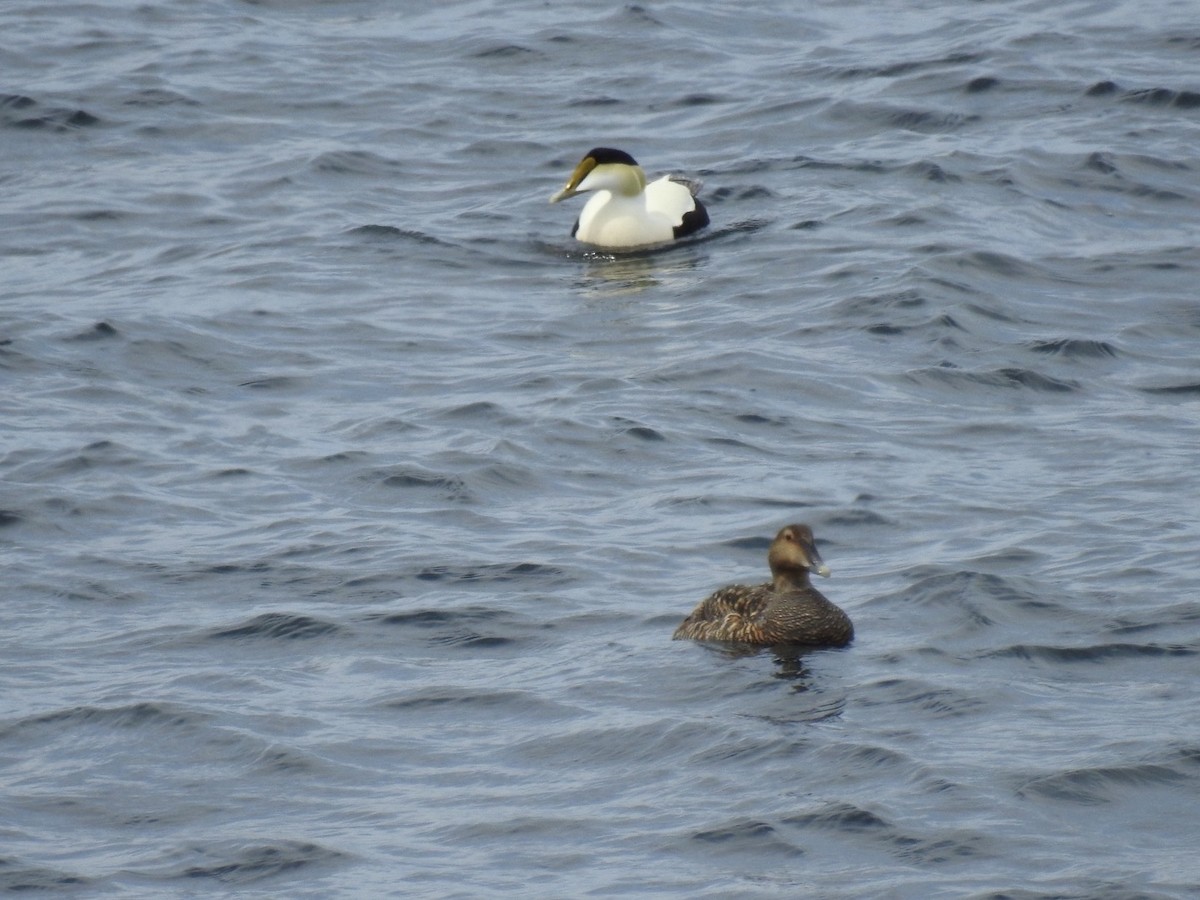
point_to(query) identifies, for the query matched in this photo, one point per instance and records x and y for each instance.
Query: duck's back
(676, 199)
(763, 615)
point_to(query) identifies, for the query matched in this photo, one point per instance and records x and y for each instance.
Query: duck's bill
(581, 171)
(815, 563)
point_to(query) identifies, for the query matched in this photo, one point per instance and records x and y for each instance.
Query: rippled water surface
(348, 505)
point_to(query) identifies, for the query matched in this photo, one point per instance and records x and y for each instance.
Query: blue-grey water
(348, 505)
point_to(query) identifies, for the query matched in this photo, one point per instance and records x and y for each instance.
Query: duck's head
(793, 555)
(604, 169)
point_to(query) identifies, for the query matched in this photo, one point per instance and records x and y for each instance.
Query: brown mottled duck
(785, 610)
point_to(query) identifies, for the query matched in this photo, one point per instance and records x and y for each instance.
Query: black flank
(693, 221)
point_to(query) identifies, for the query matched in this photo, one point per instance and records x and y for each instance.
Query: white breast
(613, 220)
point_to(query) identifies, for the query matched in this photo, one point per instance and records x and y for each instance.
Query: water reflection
(789, 659)
(608, 274)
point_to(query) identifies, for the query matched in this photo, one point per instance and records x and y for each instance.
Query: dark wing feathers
(762, 615)
(733, 610)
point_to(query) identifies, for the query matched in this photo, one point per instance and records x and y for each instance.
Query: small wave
(1165, 97)
(469, 627)
(941, 322)
(515, 830)
(909, 66)
(99, 331)
(18, 877)
(981, 84)
(699, 100)
(839, 817)
(1160, 96)
(931, 171)
(1185, 390)
(102, 454)
(845, 819)
(1102, 163)
(275, 383)
(16, 101)
(929, 121)
(873, 304)
(997, 264)
(99, 215)
(1103, 89)
(1031, 379)
(19, 111)
(130, 716)
(459, 697)
(390, 232)
(505, 51)
(759, 419)
(871, 757)
(245, 864)
(738, 195)
(407, 478)
(948, 585)
(160, 97)
(938, 701)
(590, 102)
(356, 162)
(436, 618)
(496, 573)
(459, 701)
(1120, 172)
(1009, 377)
(277, 625)
(848, 818)
(485, 411)
(744, 833)
(1100, 784)
(1094, 653)
(634, 429)
(1074, 348)
(855, 518)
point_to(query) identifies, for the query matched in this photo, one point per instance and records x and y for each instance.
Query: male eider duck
(787, 610)
(626, 211)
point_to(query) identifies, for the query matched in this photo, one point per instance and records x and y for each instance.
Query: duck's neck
(790, 578)
(621, 181)
(631, 181)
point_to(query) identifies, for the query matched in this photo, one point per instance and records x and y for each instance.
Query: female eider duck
(626, 211)
(787, 610)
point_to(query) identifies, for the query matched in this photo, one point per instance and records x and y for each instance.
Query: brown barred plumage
(787, 610)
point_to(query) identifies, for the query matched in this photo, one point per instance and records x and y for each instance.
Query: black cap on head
(603, 155)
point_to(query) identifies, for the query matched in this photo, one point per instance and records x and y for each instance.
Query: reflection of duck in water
(627, 212)
(786, 610)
